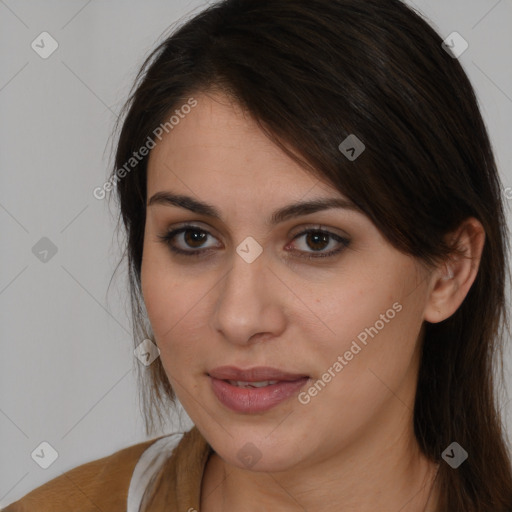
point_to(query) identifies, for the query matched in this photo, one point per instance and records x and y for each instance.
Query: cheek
(163, 293)
(167, 303)
(343, 310)
(177, 309)
(372, 324)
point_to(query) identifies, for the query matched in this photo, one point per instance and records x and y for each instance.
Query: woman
(317, 247)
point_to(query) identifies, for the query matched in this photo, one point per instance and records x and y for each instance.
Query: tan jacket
(104, 485)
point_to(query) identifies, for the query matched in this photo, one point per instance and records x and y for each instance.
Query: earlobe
(452, 280)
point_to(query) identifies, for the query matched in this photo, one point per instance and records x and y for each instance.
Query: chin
(271, 463)
(259, 453)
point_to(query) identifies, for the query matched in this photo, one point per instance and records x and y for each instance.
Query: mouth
(254, 390)
(260, 384)
(255, 375)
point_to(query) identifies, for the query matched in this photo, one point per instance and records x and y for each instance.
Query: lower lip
(253, 400)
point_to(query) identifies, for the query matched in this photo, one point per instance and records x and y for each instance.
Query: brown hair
(312, 73)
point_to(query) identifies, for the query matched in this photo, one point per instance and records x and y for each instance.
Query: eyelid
(319, 227)
(192, 226)
(343, 240)
(172, 232)
(293, 233)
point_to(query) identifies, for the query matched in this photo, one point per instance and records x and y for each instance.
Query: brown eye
(192, 238)
(316, 240)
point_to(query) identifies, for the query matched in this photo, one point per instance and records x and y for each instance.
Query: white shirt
(148, 464)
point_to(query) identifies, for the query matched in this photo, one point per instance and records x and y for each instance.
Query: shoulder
(101, 484)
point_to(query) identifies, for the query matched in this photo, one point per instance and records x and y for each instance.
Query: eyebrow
(282, 214)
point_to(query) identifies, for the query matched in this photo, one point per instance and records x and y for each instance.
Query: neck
(386, 472)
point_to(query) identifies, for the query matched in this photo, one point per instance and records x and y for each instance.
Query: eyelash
(168, 237)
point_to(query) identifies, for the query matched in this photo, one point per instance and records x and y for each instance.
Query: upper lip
(255, 374)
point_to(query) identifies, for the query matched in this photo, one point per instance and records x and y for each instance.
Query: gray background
(67, 365)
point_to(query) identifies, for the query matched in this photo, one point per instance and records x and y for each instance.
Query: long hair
(311, 74)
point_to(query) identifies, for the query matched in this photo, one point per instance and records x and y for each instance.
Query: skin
(352, 447)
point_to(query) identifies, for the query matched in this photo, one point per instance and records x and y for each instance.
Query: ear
(451, 281)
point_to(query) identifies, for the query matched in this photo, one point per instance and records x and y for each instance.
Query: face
(319, 294)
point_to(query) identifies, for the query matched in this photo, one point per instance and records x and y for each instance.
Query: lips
(254, 390)
(256, 374)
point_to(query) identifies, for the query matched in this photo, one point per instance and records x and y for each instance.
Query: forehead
(217, 146)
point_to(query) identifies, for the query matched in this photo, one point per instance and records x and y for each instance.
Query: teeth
(261, 384)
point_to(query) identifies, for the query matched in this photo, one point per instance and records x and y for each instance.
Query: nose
(249, 305)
